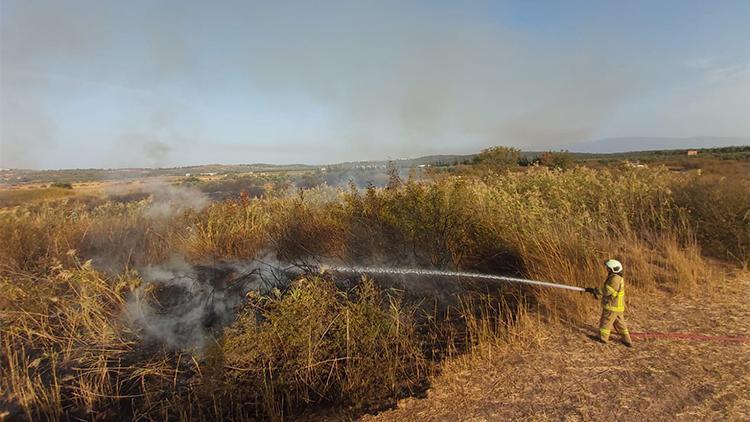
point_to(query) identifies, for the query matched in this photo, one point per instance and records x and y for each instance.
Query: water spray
(439, 273)
(461, 274)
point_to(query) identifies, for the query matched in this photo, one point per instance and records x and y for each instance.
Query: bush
(316, 344)
(499, 158)
(61, 185)
(233, 229)
(309, 181)
(559, 160)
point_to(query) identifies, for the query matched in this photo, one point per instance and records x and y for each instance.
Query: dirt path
(571, 377)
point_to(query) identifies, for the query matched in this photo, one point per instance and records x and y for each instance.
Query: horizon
(87, 84)
(378, 160)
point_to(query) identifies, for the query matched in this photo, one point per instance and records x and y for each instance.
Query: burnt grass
(441, 308)
(317, 340)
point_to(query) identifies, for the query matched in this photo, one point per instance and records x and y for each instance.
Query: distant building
(187, 174)
(692, 152)
(635, 165)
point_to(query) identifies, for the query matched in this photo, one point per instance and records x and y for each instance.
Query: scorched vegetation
(72, 270)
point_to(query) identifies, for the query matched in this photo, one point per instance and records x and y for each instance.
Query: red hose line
(690, 336)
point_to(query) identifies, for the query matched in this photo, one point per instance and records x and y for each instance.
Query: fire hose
(439, 273)
(424, 272)
(690, 336)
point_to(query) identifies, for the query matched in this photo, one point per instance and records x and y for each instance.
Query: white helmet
(613, 265)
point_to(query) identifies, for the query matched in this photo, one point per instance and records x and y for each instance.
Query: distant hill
(408, 162)
(625, 144)
(636, 148)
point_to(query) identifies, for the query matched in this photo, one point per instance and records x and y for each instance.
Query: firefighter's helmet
(613, 265)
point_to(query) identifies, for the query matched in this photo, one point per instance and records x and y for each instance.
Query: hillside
(639, 149)
(650, 143)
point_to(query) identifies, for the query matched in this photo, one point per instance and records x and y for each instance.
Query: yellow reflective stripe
(615, 308)
(604, 331)
(610, 289)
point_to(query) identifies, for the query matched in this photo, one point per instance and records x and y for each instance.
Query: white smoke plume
(168, 200)
(179, 304)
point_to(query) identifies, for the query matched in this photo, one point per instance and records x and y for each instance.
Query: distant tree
(498, 157)
(556, 159)
(309, 181)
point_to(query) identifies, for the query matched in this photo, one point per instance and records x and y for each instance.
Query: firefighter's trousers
(610, 319)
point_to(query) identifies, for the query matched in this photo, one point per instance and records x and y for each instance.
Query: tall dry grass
(67, 352)
(317, 344)
(719, 212)
(62, 343)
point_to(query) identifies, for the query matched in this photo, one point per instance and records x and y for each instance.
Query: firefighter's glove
(594, 292)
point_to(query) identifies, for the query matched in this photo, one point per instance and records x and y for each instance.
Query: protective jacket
(613, 293)
(613, 308)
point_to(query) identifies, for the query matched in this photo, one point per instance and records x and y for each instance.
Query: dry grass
(560, 373)
(719, 211)
(61, 344)
(320, 345)
(15, 197)
(66, 351)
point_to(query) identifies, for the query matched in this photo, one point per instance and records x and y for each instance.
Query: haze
(146, 83)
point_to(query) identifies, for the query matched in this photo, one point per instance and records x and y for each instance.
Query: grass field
(14, 197)
(92, 327)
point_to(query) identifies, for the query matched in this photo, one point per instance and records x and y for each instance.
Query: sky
(143, 83)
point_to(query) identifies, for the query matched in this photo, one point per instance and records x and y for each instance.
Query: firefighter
(613, 303)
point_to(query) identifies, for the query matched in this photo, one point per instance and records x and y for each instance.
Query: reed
(67, 268)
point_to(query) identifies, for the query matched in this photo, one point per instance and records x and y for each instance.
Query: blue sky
(150, 83)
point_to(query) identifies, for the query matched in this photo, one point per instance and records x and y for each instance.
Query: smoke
(164, 83)
(157, 150)
(92, 76)
(30, 132)
(169, 200)
(28, 98)
(365, 177)
(181, 305)
(166, 199)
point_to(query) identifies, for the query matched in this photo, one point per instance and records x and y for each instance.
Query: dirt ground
(568, 376)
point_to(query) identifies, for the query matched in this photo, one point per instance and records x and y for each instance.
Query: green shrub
(499, 158)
